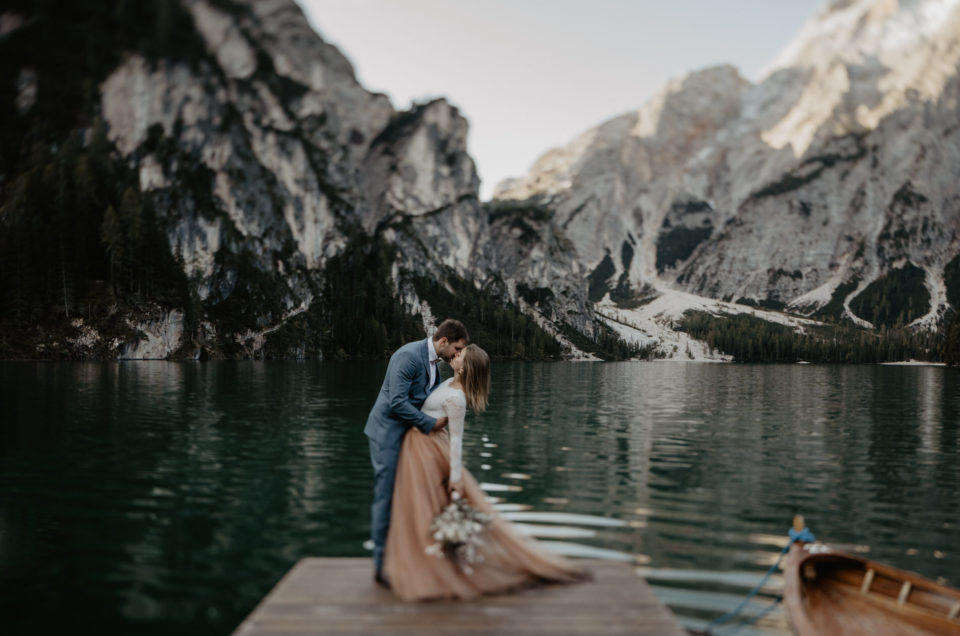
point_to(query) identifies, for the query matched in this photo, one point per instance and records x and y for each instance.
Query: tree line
(500, 328)
(357, 313)
(751, 339)
(77, 233)
(951, 345)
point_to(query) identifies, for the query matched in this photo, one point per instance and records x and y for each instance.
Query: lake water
(153, 497)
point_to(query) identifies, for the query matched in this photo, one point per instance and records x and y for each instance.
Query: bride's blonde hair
(476, 377)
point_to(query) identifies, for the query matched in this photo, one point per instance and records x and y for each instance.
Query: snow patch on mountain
(656, 322)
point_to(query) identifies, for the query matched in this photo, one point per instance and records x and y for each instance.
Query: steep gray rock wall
(834, 171)
(830, 186)
(420, 190)
(267, 158)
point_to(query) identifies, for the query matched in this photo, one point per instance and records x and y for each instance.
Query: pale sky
(530, 75)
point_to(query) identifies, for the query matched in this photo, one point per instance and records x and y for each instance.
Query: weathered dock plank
(338, 596)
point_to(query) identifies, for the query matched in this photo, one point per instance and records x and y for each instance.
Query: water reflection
(705, 466)
(165, 496)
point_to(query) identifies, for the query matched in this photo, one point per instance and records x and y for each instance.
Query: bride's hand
(456, 487)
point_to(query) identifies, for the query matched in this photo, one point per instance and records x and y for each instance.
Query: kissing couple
(415, 431)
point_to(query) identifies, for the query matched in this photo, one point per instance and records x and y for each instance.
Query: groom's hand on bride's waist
(441, 422)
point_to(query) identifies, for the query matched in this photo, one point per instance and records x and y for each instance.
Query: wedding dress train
(508, 558)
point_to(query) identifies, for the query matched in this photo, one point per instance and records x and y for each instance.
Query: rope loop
(805, 536)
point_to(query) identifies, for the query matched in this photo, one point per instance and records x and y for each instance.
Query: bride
(429, 471)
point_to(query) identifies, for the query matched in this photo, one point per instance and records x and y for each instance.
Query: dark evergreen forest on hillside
(750, 339)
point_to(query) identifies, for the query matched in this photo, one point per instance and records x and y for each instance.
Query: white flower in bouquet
(458, 532)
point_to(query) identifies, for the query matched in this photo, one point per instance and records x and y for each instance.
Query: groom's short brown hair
(452, 330)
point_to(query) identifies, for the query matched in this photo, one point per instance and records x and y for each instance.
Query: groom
(411, 375)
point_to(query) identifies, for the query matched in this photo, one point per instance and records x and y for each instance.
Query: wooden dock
(338, 596)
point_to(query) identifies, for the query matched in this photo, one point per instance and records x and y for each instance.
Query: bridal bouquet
(458, 531)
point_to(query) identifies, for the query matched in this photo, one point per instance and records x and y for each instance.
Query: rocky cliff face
(269, 152)
(255, 148)
(294, 200)
(298, 204)
(834, 178)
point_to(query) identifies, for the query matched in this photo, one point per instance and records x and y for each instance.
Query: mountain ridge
(822, 141)
(302, 216)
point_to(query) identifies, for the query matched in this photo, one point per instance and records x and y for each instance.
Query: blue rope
(767, 610)
(804, 535)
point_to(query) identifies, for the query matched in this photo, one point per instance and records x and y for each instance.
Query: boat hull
(831, 593)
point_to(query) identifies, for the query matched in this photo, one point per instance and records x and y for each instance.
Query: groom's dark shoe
(381, 580)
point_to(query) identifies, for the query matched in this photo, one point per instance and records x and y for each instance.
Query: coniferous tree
(951, 347)
(113, 241)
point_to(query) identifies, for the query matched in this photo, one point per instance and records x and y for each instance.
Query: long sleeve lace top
(448, 402)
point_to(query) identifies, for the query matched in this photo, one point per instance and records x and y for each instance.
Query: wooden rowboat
(829, 593)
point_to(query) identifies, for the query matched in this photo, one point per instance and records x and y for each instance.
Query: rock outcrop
(829, 189)
(835, 173)
(268, 156)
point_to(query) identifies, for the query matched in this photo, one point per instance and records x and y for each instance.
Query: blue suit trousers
(384, 460)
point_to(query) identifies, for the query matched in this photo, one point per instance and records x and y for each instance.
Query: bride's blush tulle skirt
(509, 560)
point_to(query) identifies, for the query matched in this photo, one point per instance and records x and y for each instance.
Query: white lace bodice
(451, 403)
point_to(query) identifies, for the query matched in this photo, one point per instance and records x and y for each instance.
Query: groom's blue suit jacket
(404, 390)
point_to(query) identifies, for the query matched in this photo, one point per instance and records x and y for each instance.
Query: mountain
(829, 189)
(202, 178)
(208, 178)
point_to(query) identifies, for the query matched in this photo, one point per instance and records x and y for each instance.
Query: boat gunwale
(921, 616)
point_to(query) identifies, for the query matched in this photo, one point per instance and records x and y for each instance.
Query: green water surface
(162, 497)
